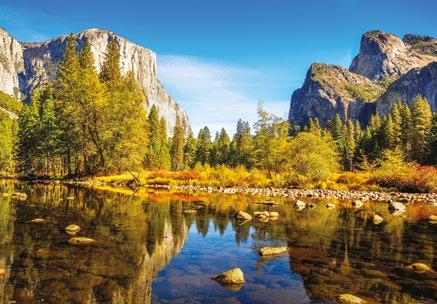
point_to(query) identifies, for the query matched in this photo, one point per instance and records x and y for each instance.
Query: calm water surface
(148, 251)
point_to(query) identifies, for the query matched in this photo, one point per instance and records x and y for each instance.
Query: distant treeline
(86, 123)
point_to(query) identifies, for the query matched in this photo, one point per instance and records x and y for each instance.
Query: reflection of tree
(135, 239)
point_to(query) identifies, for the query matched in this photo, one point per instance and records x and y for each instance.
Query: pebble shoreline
(426, 198)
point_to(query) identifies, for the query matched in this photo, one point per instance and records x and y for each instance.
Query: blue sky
(218, 58)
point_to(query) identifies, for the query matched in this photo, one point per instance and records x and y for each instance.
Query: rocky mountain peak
(386, 69)
(383, 54)
(25, 66)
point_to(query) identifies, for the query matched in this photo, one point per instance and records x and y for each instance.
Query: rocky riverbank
(428, 198)
(424, 198)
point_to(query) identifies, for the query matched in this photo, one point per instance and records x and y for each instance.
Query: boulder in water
(269, 203)
(232, 276)
(241, 215)
(330, 206)
(419, 268)
(266, 251)
(377, 219)
(396, 207)
(273, 215)
(357, 203)
(37, 221)
(311, 205)
(299, 205)
(190, 211)
(80, 240)
(261, 214)
(19, 196)
(72, 229)
(350, 299)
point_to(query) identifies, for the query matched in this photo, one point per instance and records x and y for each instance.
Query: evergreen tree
(397, 124)
(432, 141)
(110, 72)
(7, 141)
(203, 146)
(241, 145)
(153, 155)
(177, 146)
(67, 91)
(405, 114)
(190, 151)
(421, 119)
(222, 146)
(388, 134)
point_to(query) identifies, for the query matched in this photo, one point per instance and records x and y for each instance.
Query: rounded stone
(72, 229)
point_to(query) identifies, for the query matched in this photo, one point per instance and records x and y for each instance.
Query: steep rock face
(11, 64)
(418, 81)
(329, 90)
(383, 54)
(39, 63)
(386, 69)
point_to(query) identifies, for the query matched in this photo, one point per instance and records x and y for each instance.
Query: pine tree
(67, 91)
(165, 162)
(241, 145)
(337, 128)
(432, 141)
(388, 134)
(190, 151)
(405, 114)
(222, 146)
(153, 157)
(203, 146)
(7, 140)
(110, 72)
(177, 146)
(397, 124)
(421, 128)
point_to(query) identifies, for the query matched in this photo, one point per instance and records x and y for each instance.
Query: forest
(87, 123)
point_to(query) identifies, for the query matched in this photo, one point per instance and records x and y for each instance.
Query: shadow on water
(147, 249)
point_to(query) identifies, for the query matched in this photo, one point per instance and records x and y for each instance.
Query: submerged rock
(37, 221)
(269, 203)
(80, 240)
(311, 205)
(19, 196)
(232, 276)
(5, 194)
(273, 214)
(350, 299)
(396, 206)
(190, 211)
(72, 229)
(299, 205)
(261, 214)
(357, 204)
(377, 219)
(241, 215)
(419, 268)
(330, 206)
(432, 218)
(265, 251)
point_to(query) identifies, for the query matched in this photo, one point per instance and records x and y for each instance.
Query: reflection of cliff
(141, 289)
(118, 269)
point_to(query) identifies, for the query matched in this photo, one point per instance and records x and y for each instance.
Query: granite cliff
(25, 66)
(386, 69)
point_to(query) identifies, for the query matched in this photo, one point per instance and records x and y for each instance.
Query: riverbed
(148, 249)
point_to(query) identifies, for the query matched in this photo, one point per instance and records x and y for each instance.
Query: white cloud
(217, 94)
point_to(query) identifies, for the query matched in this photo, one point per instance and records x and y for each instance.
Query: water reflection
(148, 250)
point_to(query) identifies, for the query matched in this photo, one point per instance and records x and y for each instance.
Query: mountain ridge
(27, 65)
(360, 91)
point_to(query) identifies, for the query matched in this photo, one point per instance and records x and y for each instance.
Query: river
(147, 250)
